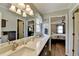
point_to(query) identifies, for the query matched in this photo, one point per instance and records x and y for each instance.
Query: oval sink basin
(33, 44)
(23, 52)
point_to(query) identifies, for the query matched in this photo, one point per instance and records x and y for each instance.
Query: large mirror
(13, 25)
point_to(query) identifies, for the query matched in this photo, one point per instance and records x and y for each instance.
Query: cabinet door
(45, 51)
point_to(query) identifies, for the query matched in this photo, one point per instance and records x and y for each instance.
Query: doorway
(20, 29)
(58, 32)
(30, 28)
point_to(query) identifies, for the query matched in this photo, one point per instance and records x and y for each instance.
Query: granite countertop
(36, 45)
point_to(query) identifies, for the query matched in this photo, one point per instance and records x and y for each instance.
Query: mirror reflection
(14, 21)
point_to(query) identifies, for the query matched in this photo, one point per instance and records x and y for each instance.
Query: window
(38, 28)
(60, 29)
(38, 25)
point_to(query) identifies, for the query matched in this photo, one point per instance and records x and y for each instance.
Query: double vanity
(28, 46)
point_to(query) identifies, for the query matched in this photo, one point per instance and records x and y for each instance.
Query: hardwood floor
(58, 48)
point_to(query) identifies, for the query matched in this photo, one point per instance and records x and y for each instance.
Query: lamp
(12, 8)
(31, 12)
(21, 9)
(24, 14)
(28, 8)
(21, 5)
(18, 11)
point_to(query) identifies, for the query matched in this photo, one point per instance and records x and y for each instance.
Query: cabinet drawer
(45, 51)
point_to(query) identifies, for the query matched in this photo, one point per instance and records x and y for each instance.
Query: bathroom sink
(28, 49)
(23, 52)
(33, 44)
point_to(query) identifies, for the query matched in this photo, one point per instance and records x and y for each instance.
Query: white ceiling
(51, 7)
(45, 8)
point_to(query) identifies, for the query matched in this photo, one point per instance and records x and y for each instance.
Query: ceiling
(45, 8)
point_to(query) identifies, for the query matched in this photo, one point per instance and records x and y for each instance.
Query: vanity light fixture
(31, 12)
(21, 9)
(28, 8)
(21, 5)
(24, 14)
(12, 8)
(18, 11)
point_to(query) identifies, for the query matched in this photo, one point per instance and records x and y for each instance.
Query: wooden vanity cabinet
(45, 51)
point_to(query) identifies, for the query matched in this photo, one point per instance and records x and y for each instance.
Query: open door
(76, 33)
(20, 29)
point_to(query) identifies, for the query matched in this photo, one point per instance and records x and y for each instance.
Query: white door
(76, 30)
(0, 27)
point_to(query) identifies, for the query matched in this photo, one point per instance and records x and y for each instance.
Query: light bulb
(18, 11)
(31, 12)
(12, 8)
(24, 14)
(28, 8)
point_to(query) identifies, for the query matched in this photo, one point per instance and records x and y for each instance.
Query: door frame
(66, 33)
